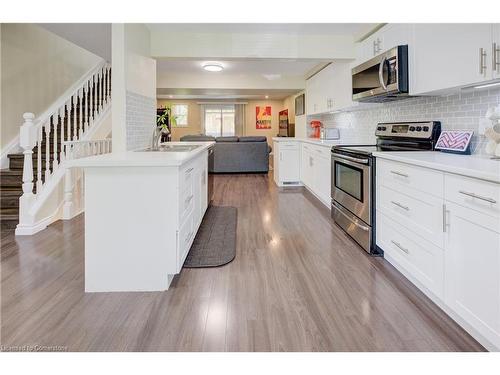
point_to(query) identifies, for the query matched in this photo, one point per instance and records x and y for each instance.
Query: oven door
(351, 185)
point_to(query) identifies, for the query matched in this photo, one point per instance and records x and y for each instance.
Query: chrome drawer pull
(399, 173)
(189, 170)
(188, 199)
(401, 206)
(400, 247)
(473, 195)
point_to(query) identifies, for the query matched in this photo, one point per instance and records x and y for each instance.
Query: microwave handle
(381, 72)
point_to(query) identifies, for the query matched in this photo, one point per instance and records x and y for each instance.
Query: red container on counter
(316, 126)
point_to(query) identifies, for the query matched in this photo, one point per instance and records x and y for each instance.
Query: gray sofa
(237, 154)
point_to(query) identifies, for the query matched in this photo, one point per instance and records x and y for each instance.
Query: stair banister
(80, 107)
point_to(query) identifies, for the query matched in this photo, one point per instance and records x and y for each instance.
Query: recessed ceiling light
(170, 96)
(267, 96)
(213, 67)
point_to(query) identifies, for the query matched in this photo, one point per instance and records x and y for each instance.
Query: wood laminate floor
(298, 283)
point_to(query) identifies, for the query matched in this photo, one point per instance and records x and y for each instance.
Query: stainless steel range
(354, 170)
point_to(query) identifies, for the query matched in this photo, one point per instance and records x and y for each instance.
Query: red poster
(263, 117)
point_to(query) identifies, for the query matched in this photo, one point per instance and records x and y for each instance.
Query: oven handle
(356, 160)
(365, 228)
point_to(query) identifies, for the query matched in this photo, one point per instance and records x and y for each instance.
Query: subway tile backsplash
(140, 120)
(457, 111)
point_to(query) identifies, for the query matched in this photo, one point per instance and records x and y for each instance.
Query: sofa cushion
(197, 138)
(226, 139)
(253, 138)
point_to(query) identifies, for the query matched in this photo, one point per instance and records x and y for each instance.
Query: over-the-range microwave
(382, 78)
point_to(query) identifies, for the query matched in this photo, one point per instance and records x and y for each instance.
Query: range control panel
(421, 130)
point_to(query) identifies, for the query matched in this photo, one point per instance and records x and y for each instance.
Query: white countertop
(477, 166)
(315, 141)
(143, 159)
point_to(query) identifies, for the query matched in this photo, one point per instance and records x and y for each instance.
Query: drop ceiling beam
(218, 46)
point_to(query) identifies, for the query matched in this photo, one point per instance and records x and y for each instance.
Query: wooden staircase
(11, 179)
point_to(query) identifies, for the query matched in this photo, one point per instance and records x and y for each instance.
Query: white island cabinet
(142, 212)
(438, 222)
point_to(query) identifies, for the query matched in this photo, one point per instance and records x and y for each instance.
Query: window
(219, 120)
(180, 114)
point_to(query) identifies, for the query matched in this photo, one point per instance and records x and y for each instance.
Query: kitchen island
(142, 212)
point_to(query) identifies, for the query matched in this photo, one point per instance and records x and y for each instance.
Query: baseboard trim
(28, 230)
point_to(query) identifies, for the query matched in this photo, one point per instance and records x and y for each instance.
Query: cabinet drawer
(186, 236)
(418, 258)
(419, 212)
(396, 175)
(482, 196)
(186, 177)
(288, 145)
(321, 151)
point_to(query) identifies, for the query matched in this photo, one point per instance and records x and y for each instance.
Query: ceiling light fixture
(213, 67)
(267, 96)
(170, 96)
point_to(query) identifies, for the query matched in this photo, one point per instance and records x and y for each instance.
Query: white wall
(134, 87)
(36, 68)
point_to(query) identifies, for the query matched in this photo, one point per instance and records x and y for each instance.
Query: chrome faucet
(157, 132)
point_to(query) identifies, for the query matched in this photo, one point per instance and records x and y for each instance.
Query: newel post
(27, 140)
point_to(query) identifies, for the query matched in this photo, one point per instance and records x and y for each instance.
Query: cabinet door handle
(189, 170)
(482, 57)
(403, 249)
(281, 156)
(401, 206)
(474, 195)
(399, 173)
(494, 54)
(444, 218)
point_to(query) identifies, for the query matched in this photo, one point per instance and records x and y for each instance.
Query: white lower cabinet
(286, 163)
(418, 258)
(193, 202)
(446, 240)
(473, 269)
(304, 163)
(316, 171)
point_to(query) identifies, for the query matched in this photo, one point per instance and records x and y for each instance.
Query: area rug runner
(215, 242)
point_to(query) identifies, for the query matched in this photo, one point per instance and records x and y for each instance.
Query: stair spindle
(85, 111)
(67, 114)
(75, 124)
(61, 112)
(101, 86)
(39, 160)
(47, 150)
(55, 122)
(94, 85)
(80, 120)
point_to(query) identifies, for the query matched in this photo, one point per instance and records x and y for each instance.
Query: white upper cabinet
(495, 50)
(387, 37)
(330, 89)
(445, 56)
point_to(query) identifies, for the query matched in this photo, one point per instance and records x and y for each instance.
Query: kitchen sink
(172, 148)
